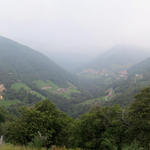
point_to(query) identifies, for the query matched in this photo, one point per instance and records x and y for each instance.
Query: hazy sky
(76, 25)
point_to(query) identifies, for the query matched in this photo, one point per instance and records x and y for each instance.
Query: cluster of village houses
(58, 90)
(104, 72)
(122, 74)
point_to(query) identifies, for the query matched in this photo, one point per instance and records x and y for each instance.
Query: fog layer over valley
(72, 60)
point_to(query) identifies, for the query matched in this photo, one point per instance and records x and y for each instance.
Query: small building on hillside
(2, 87)
(124, 74)
(139, 76)
(1, 97)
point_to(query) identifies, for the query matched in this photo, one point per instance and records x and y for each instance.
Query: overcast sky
(76, 25)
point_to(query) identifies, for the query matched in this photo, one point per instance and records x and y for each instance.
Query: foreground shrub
(133, 146)
(44, 118)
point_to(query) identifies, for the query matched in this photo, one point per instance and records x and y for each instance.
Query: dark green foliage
(101, 128)
(43, 118)
(37, 142)
(2, 115)
(139, 118)
(114, 128)
(133, 146)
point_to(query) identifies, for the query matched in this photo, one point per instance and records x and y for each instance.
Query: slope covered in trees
(28, 76)
(26, 64)
(138, 78)
(111, 128)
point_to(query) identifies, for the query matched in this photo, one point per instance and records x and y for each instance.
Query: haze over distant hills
(120, 73)
(141, 68)
(73, 60)
(119, 57)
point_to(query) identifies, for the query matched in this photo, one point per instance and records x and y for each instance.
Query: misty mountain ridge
(20, 59)
(72, 60)
(118, 58)
(29, 76)
(141, 68)
(138, 78)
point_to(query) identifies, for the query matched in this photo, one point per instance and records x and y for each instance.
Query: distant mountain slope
(141, 68)
(119, 58)
(71, 61)
(124, 69)
(26, 64)
(28, 76)
(139, 77)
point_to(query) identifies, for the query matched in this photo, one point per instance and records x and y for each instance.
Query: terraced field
(19, 85)
(8, 103)
(51, 87)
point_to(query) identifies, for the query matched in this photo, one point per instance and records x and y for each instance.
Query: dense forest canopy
(111, 128)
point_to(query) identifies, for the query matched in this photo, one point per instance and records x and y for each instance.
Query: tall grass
(133, 146)
(12, 147)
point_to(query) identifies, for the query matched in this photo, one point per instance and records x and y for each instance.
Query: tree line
(102, 128)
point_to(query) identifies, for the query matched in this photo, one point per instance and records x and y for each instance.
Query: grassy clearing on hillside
(70, 90)
(51, 87)
(19, 85)
(7, 103)
(41, 84)
(92, 101)
(11, 147)
(38, 95)
(108, 97)
(48, 86)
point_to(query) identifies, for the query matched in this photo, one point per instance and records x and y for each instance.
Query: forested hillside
(138, 78)
(111, 128)
(28, 76)
(114, 86)
(27, 64)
